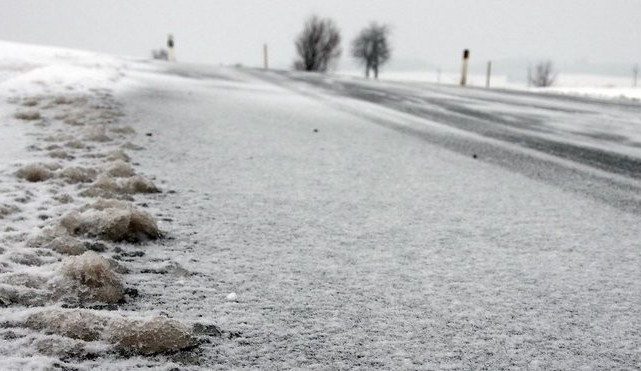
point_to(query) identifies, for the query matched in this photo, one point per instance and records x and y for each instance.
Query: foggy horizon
(595, 37)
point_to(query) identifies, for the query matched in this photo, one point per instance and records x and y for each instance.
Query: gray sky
(425, 33)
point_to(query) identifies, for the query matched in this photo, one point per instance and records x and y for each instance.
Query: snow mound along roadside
(78, 280)
(91, 277)
(78, 174)
(138, 336)
(35, 173)
(119, 169)
(67, 223)
(122, 185)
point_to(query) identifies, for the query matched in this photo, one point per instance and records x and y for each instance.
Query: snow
(300, 233)
(586, 85)
(600, 92)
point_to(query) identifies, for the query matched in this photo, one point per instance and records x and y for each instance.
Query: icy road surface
(309, 221)
(358, 230)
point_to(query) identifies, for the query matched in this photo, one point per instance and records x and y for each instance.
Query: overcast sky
(429, 33)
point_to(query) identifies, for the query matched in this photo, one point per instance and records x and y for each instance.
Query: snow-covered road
(353, 245)
(321, 222)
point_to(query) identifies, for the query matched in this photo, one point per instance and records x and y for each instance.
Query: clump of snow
(146, 337)
(67, 245)
(46, 236)
(34, 173)
(157, 335)
(59, 346)
(141, 226)
(127, 130)
(112, 224)
(30, 102)
(75, 323)
(6, 210)
(94, 278)
(60, 137)
(52, 166)
(73, 120)
(68, 99)
(133, 184)
(96, 133)
(27, 259)
(113, 221)
(25, 296)
(75, 144)
(59, 153)
(118, 154)
(95, 192)
(63, 198)
(78, 174)
(29, 115)
(31, 281)
(119, 169)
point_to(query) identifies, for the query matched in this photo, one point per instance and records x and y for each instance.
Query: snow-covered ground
(297, 233)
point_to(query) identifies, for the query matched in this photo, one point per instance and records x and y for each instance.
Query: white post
(635, 71)
(438, 76)
(488, 74)
(466, 56)
(171, 54)
(265, 57)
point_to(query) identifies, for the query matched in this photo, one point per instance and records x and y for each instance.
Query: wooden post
(488, 74)
(171, 56)
(466, 56)
(265, 57)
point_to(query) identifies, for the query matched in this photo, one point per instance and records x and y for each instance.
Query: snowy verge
(70, 198)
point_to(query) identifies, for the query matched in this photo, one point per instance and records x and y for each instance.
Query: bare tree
(543, 74)
(371, 48)
(318, 45)
(160, 54)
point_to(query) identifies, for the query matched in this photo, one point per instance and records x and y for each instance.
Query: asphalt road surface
(576, 143)
(359, 230)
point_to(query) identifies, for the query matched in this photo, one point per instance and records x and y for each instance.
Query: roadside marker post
(466, 57)
(635, 72)
(170, 48)
(265, 57)
(488, 74)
